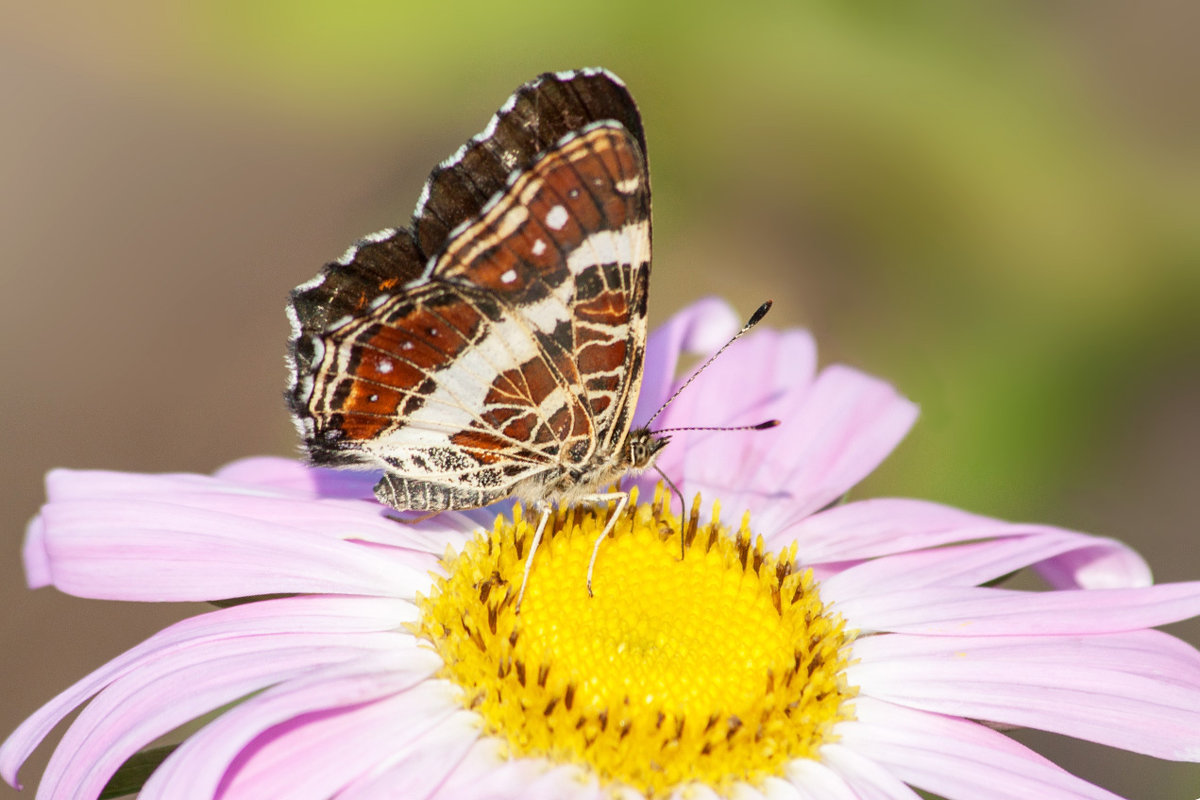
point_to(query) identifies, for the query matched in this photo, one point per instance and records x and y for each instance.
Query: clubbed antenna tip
(757, 316)
(754, 320)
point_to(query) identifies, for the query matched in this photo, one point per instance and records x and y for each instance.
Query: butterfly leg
(622, 499)
(545, 509)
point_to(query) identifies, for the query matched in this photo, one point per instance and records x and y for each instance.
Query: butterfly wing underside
(510, 361)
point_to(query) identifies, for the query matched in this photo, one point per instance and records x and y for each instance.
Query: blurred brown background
(991, 204)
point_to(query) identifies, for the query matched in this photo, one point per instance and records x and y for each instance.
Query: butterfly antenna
(755, 318)
(762, 426)
(673, 489)
(758, 426)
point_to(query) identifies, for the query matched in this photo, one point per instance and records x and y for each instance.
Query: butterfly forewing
(531, 122)
(510, 363)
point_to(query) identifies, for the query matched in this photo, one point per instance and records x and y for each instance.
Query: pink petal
(868, 778)
(869, 528)
(692, 791)
(1107, 564)
(937, 611)
(1138, 691)
(744, 791)
(347, 518)
(875, 527)
(486, 774)
(1014, 547)
(158, 552)
(770, 789)
(310, 736)
(957, 759)
(189, 537)
(835, 430)
(288, 475)
(699, 329)
(288, 634)
(418, 769)
(817, 780)
(38, 571)
(762, 374)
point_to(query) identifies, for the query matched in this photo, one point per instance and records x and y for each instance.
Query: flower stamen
(717, 667)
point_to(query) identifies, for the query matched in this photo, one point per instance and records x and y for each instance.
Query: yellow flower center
(715, 668)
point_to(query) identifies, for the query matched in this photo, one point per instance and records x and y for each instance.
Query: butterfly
(493, 349)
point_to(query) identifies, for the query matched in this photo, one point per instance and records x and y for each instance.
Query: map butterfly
(494, 348)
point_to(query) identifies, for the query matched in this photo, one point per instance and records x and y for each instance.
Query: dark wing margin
(375, 266)
(530, 122)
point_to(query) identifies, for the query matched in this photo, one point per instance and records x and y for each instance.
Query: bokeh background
(992, 204)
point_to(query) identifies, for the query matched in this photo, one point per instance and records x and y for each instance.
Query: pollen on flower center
(717, 667)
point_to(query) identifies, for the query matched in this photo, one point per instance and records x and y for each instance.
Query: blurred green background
(991, 204)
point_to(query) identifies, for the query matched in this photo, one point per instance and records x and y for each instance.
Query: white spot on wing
(557, 217)
(629, 185)
(509, 276)
(384, 367)
(539, 247)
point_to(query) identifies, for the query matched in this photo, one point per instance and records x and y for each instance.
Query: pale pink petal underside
(305, 738)
(327, 629)
(167, 551)
(958, 759)
(1139, 691)
(292, 476)
(417, 770)
(835, 428)
(973, 611)
(699, 329)
(912, 531)
(487, 774)
(869, 779)
(818, 780)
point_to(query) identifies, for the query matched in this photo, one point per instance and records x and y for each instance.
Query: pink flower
(373, 679)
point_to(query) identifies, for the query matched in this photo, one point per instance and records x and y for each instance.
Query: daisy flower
(800, 648)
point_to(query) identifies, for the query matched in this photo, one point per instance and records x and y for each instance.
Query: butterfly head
(643, 447)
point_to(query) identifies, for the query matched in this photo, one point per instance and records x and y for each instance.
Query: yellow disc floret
(716, 667)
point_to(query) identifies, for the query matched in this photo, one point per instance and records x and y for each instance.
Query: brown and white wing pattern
(496, 347)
